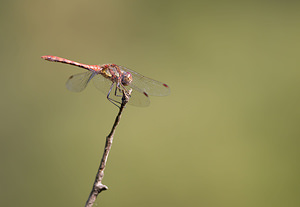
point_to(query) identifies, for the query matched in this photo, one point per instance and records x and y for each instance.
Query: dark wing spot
(71, 77)
(165, 85)
(146, 94)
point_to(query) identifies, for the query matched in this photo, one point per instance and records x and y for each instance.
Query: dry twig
(98, 187)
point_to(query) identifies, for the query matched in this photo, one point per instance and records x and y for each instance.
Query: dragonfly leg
(110, 99)
(121, 89)
(118, 89)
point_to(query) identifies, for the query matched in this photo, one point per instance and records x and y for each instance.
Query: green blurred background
(228, 135)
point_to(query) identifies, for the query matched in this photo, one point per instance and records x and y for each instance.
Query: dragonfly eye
(126, 78)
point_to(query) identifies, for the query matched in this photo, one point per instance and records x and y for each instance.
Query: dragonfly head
(126, 78)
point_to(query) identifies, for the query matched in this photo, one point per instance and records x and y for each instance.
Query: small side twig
(98, 187)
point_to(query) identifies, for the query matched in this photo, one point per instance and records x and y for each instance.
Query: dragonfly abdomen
(51, 58)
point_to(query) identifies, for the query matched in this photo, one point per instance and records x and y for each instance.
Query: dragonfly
(113, 80)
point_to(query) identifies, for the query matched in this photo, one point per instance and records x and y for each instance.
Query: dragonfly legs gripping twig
(117, 89)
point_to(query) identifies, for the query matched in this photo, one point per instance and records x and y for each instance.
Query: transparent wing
(102, 84)
(78, 82)
(148, 85)
(138, 98)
